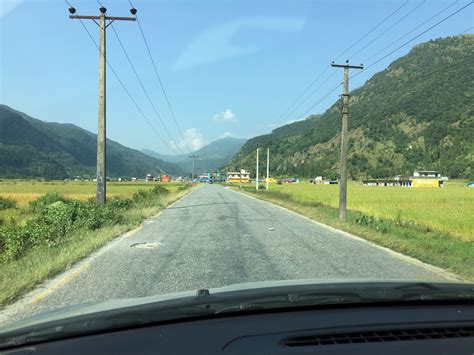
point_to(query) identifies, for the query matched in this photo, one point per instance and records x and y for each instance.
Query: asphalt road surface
(215, 237)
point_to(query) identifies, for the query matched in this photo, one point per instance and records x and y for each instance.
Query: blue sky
(230, 68)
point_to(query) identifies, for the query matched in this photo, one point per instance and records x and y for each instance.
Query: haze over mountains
(211, 157)
(416, 114)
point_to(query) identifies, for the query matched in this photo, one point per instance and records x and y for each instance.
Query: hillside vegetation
(416, 114)
(33, 148)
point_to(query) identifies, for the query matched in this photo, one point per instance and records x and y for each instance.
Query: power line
(125, 88)
(285, 114)
(143, 87)
(372, 30)
(389, 28)
(412, 39)
(467, 30)
(413, 29)
(320, 101)
(312, 92)
(160, 82)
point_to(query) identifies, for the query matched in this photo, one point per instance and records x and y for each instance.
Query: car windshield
(258, 153)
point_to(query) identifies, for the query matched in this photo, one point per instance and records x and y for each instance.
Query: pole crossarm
(110, 18)
(347, 66)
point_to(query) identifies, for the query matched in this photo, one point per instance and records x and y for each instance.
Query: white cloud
(226, 116)
(192, 139)
(225, 134)
(215, 43)
(7, 6)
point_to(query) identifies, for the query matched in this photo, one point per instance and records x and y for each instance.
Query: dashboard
(432, 329)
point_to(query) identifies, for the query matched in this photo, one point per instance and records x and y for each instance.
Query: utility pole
(240, 170)
(268, 165)
(256, 175)
(344, 138)
(193, 156)
(101, 132)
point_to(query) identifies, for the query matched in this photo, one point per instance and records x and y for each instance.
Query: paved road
(215, 237)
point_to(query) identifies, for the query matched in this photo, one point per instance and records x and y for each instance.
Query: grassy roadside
(36, 265)
(423, 243)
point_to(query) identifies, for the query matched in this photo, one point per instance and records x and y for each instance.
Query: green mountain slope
(33, 148)
(210, 157)
(416, 114)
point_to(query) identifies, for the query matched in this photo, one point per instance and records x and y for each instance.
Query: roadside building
(236, 177)
(427, 178)
(149, 177)
(165, 178)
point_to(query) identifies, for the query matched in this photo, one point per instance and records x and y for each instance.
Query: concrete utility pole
(268, 165)
(256, 175)
(101, 135)
(344, 138)
(193, 157)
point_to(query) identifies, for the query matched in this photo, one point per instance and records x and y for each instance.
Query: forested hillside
(416, 114)
(33, 148)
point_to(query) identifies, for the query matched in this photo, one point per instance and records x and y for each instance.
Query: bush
(46, 200)
(6, 203)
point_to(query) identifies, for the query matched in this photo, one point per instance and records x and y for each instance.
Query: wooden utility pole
(268, 165)
(101, 131)
(193, 157)
(256, 174)
(240, 170)
(344, 139)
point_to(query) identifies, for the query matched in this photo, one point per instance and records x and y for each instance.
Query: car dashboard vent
(380, 336)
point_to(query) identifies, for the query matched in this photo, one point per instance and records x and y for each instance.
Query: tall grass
(448, 210)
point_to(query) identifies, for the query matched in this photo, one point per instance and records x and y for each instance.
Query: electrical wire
(412, 39)
(126, 90)
(372, 30)
(144, 89)
(389, 28)
(285, 116)
(413, 29)
(160, 81)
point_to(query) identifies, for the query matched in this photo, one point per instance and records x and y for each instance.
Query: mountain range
(418, 113)
(209, 158)
(33, 148)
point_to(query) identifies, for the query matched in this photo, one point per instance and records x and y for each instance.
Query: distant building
(427, 178)
(236, 177)
(426, 174)
(165, 178)
(149, 177)
(419, 179)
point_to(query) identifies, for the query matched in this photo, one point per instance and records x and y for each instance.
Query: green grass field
(449, 209)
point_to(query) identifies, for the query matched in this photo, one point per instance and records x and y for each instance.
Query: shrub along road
(214, 237)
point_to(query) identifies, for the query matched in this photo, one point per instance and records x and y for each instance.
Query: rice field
(449, 209)
(25, 191)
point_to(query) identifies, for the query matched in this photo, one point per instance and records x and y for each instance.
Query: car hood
(123, 311)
